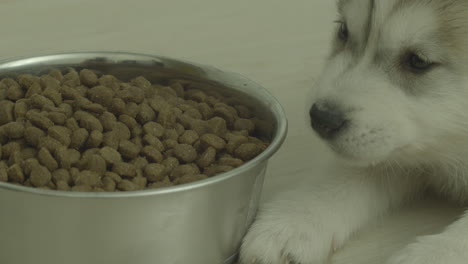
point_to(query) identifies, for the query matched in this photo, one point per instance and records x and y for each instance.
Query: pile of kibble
(81, 131)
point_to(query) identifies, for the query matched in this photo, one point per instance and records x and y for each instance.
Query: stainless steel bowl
(198, 223)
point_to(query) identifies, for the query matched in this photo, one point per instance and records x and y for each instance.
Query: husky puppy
(392, 103)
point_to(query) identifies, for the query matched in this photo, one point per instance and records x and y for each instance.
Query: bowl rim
(278, 138)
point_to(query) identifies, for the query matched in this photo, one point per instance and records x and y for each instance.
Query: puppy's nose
(326, 121)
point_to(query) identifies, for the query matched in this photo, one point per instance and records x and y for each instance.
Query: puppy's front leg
(306, 224)
(448, 247)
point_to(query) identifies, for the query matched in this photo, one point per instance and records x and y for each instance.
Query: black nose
(327, 121)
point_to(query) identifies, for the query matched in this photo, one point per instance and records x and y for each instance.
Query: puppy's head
(395, 86)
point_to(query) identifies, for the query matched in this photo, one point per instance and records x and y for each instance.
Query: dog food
(81, 131)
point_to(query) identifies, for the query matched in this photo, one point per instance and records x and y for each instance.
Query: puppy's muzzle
(327, 120)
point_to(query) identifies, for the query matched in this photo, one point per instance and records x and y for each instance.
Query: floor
(280, 44)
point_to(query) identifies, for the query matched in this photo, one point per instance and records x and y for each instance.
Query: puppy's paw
(285, 240)
(435, 249)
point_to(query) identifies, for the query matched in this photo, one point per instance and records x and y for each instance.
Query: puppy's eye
(418, 63)
(343, 33)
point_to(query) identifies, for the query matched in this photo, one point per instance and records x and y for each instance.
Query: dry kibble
(188, 137)
(126, 185)
(154, 129)
(94, 139)
(62, 186)
(88, 121)
(152, 154)
(190, 178)
(185, 169)
(61, 134)
(140, 182)
(81, 132)
(88, 178)
(128, 149)
(110, 155)
(6, 111)
(207, 157)
(78, 138)
(244, 124)
(46, 159)
(39, 176)
(13, 130)
(101, 95)
(88, 78)
(39, 120)
(61, 175)
(15, 174)
(124, 169)
(212, 140)
(185, 152)
(108, 184)
(216, 169)
(247, 151)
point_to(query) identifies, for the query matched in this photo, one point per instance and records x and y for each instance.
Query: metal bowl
(197, 223)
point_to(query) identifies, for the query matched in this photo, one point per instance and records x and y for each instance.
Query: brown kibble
(26, 80)
(212, 140)
(140, 182)
(234, 141)
(39, 176)
(101, 95)
(13, 130)
(121, 130)
(110, 155)
(129, 121)
(39, 119)
(61, 134)
(56, 74)
(185, 169)
(57, 118)
(153, 128)
(53, 95)
(166, 117)
(6, 111)
(88, 178)
(161, 184)
(88, 78)
(41, 102)
(185, 152)
(108, 120)
(217, 126)
(216, 169)
(190, 178)
(3, 174)
(170, 163)
(26, 153)
(155, 172)
(146, 113)
(35, 88)
(71, 79)
(14, 93)
(132, 94)
(32, 135)
(112, 175)
(72, 124)
(207, 157)
(126, 185)
(20, 109)
(94, 139)
(247, 151)
(15, 174)
(118, 106)
(169, 143)
(50, 144)
(46, 159)
(62, 186)
(61, 175)
(67, 157)
(141, 82)
(152, 154)
(111, 139)
(128, 149)
(124, 169)
(88, 121)
(244, 124)
(78, 138)
(153, 141)
(233, 162)
(96, 164)
(188, 137)
(10, 148)
(109, 81)
(108, 184)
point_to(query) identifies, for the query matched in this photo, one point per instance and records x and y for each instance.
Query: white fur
(407, 133)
